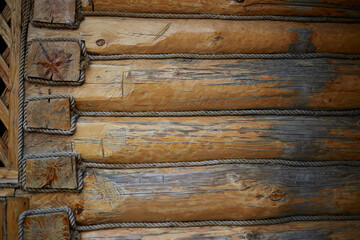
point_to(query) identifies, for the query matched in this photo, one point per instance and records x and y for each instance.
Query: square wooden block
(51, 173)
(55, 11)
(49, 114)
(52, 226)
(54, 61)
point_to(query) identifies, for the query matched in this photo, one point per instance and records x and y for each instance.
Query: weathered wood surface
(14, 207)
(51, 173)
(1, 220)
(136, 140)
(220, 192)
(54, 61)
(238, 7)
(49, 114)
(54, 11)
(14, 78)
(7, 192)
(47, 226)
(305, 230)
(111, 35)
(179, 85)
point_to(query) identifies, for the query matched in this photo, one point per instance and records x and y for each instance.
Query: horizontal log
(112, 35)
(178, 85)
(304, 230)
(248, 7)
(167, 139)
(222, 192)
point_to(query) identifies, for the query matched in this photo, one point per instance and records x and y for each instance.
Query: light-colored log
(7, 192)
(222, 192)
(238, 7)
(304, 230)
(178, 85)
(14, 77)
(111, 35)
(47, 226)
(4, 114)
(136, 140)
(5, 31)
(14, 207)
(6, 173)
(46, 11)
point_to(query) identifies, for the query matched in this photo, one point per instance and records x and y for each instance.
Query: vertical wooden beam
(14, 77)
(14, 207)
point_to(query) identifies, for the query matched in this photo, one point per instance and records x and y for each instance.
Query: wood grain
(47, 226)
(54, 61)
(54, 11)
(247, 7)
(51, 173)
(111, 35)
(304, 230)
(14, 77)
(14, 207)
(49, 114)
(136, 140)
(220, 192)
(180, 85)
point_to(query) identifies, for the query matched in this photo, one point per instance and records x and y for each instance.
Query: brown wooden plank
(178, 85)
(3, 152)
(167, 139)
(6, 173)
(51, 173)
(248, 7)
(219, 192)
(55, 61)
(111, 35)
(54, 11)
(7, 192)
(14, 79)
(304, 230)
(4, 114)
(14, 208)
(49, 114)
(5, 31)
(47, 226)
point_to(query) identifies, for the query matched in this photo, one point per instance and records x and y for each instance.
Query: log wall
(235, 7)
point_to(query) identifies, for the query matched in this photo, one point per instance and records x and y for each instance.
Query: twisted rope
(9, 185)
(3, 200)
(225, 56)
(83, 62)
(271, 221)
(80, 171)
(291, 163)
(73, 119)
(294, 112)
(25, 7)
(223, 17)
(32, 212)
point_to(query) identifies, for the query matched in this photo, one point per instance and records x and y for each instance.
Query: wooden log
(46, 11)
(235, 7)
(222, 192)
(47, 226)
(166, 139)
(51, 173)
(48, 114)
(304, 230)
(111, 35)
(54, 61)
(14, 207)
(178, 85)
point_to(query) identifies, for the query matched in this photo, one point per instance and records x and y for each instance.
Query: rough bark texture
(178, 85)
(130, 140)
(111, 35)
(247, 7)
(209, 193)
(294, 231)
